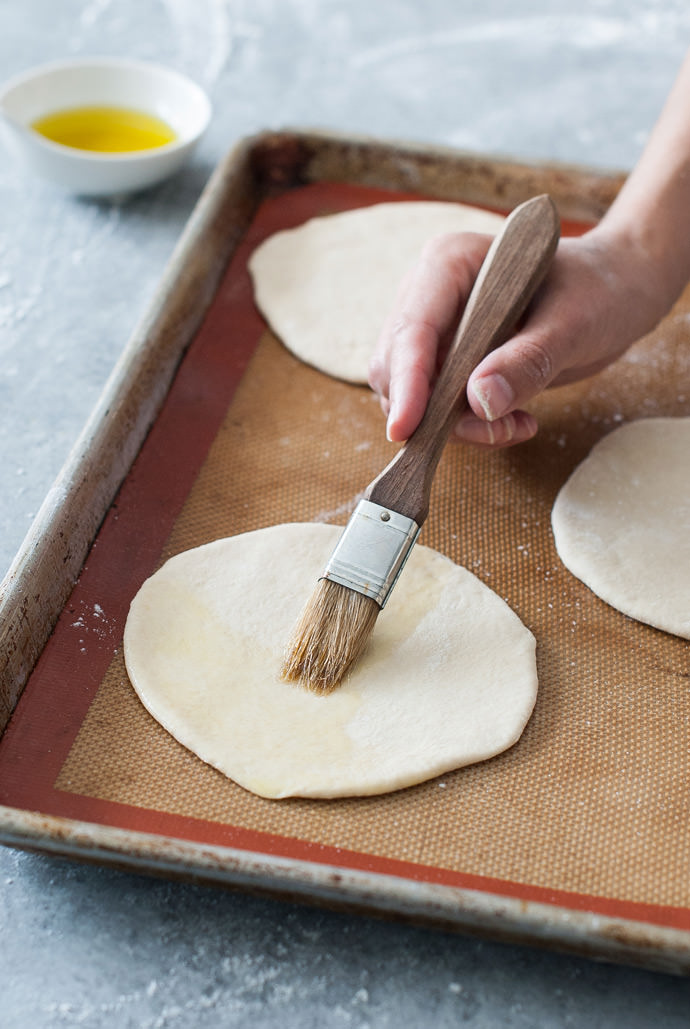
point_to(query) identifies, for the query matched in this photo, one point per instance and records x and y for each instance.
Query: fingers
(593, 304)
(413, 341)
(516, 427)
(414, 337)
(411, 370)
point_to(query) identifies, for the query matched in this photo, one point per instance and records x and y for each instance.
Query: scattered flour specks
(326, 515)
(92, 622)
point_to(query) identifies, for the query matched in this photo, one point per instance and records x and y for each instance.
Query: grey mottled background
(534, 79)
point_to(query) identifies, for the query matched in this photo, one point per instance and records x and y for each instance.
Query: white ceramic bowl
(103, 82)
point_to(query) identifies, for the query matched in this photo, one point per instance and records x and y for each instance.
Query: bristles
(330, 635)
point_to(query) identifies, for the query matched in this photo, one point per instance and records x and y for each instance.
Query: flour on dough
(622, 522)
(326, 286)
(449, 677)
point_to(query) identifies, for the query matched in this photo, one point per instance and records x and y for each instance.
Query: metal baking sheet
(576, 839)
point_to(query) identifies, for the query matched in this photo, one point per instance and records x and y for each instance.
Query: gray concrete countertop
(533, 79)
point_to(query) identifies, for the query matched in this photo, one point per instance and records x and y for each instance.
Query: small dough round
(449, 677)
(622, 522)
(326, 286)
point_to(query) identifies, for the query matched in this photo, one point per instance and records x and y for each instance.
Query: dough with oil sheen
(449, 677)
(622, 522)
(326, 287)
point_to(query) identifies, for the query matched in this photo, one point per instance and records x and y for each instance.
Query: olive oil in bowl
(104, 129)
(103, 126)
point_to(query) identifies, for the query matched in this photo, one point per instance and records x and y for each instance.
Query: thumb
(511, 376)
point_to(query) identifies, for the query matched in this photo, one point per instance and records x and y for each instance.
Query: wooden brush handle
(516, 263)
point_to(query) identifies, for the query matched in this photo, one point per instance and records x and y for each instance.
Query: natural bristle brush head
(330, 635)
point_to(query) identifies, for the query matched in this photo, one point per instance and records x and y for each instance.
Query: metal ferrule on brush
(372, 550)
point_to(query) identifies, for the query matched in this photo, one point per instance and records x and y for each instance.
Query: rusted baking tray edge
(51, 558)
(443, 907)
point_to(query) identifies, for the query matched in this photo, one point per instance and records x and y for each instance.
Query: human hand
(598, 298)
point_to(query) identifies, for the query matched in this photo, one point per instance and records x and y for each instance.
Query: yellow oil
(105, 129)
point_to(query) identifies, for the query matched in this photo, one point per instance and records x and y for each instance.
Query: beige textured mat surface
(594, 798)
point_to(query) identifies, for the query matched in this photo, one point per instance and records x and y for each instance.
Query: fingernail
(508, 423)
(389, 422)
(495, 396)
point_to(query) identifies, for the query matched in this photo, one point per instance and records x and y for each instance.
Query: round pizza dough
(326, 286)
(622, 522)
(449, 677)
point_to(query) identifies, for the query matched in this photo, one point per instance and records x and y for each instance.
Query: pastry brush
(340, 615)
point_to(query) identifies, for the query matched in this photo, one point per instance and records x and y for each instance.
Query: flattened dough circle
(326, 286)
(622, 522)
(449, 677)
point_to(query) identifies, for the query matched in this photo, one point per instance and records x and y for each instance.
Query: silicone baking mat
(589, 811)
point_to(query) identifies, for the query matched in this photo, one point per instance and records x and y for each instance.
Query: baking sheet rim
(435, 905)
(527, 921)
